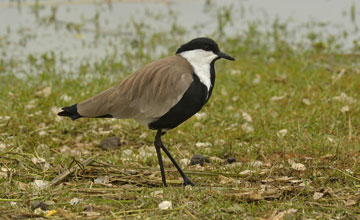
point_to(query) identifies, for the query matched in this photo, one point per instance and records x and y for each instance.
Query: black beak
(225, 56)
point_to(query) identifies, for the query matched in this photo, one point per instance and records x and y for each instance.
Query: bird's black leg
(158, 144)
(187, 181)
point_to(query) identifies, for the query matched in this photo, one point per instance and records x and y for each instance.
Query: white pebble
(306, 101)
(74, 201)
(247, 128)
(127, 153)
(201, 115)
(158, 194)
(66, 98)
(37, 160)
(200, 144)
(184, 162)
(39, 184)
(246, 172)
(344, 109)
(102, 180)
(318, 195)
(298, 166)
(165, 205)
(247, 117)
(282, 132)
(2, 146)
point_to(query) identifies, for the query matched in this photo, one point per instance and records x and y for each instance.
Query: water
(26, 29)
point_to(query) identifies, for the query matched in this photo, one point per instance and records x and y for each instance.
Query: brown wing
(145, 95)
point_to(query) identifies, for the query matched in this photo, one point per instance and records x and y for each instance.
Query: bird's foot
(188, 182)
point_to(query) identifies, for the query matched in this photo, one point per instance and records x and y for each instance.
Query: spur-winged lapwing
(161, 95)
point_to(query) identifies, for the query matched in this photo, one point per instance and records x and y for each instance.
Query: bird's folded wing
(148, 93)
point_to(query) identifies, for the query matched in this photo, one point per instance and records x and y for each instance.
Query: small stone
(157, 194)
(184, 162)
(201, 115)
(74, 201)
(4, 117)
(225, 180)
(37, 160)
(102, 180)
(40, 184)
(306, 101)
(247, 128)
(282, 132)
(165, 205)
(277, 98)
(230, 160)
(201, 144)
(43, 133)
(55, 110)
(111, 143)
(246, 172)
(318, 195)
(344, 109)
(298, 166)
(235, 72)
(127, 153)
(246, 117)
(39, 204)
(199, 159)
(66, 98)
(349, 171)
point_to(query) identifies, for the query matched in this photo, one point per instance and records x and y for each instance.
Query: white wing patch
(200, 60)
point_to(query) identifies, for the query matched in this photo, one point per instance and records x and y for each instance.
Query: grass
(304, 107)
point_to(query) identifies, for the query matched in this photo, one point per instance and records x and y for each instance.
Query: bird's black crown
(199, 43)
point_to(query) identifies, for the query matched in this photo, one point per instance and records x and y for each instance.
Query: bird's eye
(207, 48)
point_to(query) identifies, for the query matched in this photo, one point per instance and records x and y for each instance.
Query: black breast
(191, 102)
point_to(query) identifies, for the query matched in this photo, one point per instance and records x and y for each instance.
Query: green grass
(305, 83)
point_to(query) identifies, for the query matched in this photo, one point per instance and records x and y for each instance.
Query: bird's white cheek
(200, 60)
(212, 57)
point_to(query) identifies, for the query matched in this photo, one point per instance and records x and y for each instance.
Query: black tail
(71, 112)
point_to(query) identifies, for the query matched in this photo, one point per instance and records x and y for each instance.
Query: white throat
(200, 60)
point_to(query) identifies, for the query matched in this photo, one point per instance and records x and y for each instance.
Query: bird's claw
(188, 182)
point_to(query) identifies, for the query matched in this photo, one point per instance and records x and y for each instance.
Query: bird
(160, 95)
